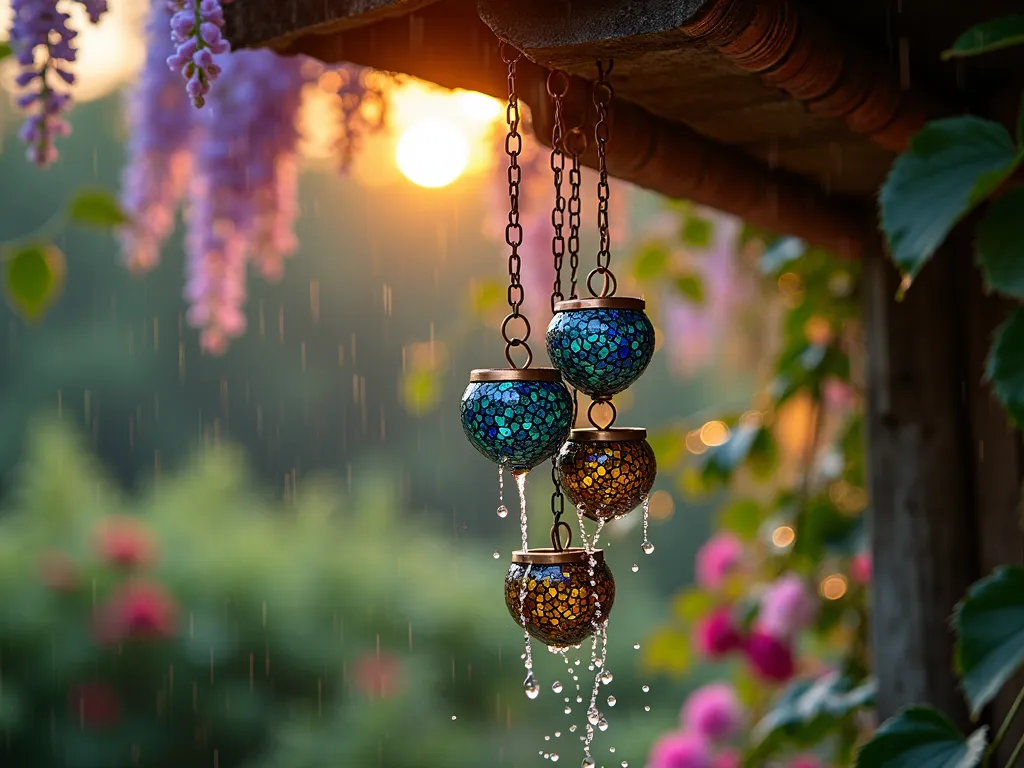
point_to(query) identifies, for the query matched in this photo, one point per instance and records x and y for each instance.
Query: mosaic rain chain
(520, 416)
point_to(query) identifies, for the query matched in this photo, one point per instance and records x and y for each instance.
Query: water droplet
(572, 729)
(645, 688)
(568, 710)
(554, 757)
(607, 676)
(647, 708)
(453, 717)
(602, 724)
(579, 699)
(556, 687)
(612, 750)
(593, 716)
(624, 764)
(588, 762)
(547, 755)
(611, 701)
(647, 547)
(502, 511)
(531, 686)
(636, 646)
(547, 738)
(635, 568)
(558, 734)
(497, 554)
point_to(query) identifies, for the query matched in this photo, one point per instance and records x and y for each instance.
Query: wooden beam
(446, 45)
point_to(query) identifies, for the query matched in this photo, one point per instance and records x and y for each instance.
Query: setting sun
(432, 153)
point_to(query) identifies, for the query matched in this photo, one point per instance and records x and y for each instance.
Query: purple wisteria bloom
(38, 27)
(160, 121)
(242, 203)
(196, 31)
(363, 112)
(95, 9)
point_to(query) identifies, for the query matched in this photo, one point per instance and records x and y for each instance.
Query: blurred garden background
(288, 555)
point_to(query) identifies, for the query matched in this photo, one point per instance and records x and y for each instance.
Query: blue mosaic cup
(516, 417)
(601, 346)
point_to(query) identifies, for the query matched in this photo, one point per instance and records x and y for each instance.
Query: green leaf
(988, 36)
(1005, 366)
(697, 232)
(951, 166)
(1000, 246)
(921, 737)
(96, 208)
(650, 262)
(807, 711)
(742, 517)
(691, 287)
(5, 50)
(780, 253)
(989, 624)
(693, 604)
(33, 278)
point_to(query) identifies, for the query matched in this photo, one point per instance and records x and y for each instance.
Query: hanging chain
(575, 145)
(514, 230)
(558, 86)
(603, 96)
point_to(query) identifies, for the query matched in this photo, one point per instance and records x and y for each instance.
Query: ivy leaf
(951, 166)
(921, 737)
(988, 36)
(96, 208)
(690, 287)
(989, 624)
(807, 711)
(697, 232)
(5, 50)
(650, 262)
(1005, 365)
(33, 278)
(780, 253)
(1000, 246)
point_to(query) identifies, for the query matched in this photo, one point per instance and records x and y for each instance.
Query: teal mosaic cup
(516, 417)
(601, 346)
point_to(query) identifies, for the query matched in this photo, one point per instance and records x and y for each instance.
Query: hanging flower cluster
(233, 163)
(43, 45)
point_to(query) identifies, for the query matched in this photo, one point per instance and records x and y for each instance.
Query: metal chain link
(575, 149)
(558, 87)
(514, 230)
(603, 95)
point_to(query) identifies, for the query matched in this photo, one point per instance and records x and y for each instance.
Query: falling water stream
(502, 509)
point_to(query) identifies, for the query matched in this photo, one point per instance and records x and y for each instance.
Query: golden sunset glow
(432, 152)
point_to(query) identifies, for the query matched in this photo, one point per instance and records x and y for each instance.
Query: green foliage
(650, 261)
(697, 232)
(951, 166)
(989, 624)
(690, 287)
(291, 636)
(742, 517)
(96, 208)
(1000, 245)
(33, 277)
(807, 712)
(1005, 366)
(988, 36)
(5, 50)
(921, 737)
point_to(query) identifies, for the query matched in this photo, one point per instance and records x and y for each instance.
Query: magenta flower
(714, 712)
(716, 634)
(860, 568)
(39, 27)
(727, 759)
(717, 558)
(680, 750)
(786, 607)
(805, 761)
(196, 32)
(159, 154)
(770, 658)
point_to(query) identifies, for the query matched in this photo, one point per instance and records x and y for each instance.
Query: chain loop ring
(556, 536)
(575, 141)
(558, 84)
(510, 345)
(505, 57)
(515, 341)
(593, 421)
(608, 286)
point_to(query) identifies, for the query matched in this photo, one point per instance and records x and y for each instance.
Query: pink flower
(139, 611)
(861, 567)
(717, 558)
(770, 657)
(805, 761)
(716, 635)
(94, 704)
(787, 607)
(378, 676)
(729, 759)
(680, 750)
(714, 712)
(125, 542)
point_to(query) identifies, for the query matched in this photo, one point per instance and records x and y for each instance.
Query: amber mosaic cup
(561, 606)
(606, 473)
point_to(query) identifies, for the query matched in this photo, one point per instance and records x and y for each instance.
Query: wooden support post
(944, 470)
